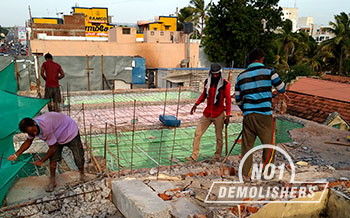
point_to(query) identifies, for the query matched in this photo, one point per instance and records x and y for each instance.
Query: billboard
(47, 20)
(96, 21)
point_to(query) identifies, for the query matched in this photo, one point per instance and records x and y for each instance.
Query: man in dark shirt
(52, 72)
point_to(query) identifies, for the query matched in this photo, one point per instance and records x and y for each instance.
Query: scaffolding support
(161, 133)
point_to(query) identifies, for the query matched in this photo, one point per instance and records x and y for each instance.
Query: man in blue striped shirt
(253, 94)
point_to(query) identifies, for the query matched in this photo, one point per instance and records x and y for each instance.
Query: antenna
(295, 3)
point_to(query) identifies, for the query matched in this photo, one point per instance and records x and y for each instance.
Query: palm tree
(285, 44)
(184, 15)
(340, 44)
(199, 14)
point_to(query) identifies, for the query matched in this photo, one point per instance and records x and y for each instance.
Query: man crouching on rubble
(57, 130)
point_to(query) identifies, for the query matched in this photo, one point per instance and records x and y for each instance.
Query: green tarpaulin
(8, 79)
(13, 108)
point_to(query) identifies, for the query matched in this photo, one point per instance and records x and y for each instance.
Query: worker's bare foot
(189, 159)
(84, 178)
(50, 187)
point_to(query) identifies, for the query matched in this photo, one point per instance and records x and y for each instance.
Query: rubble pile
(84, 200)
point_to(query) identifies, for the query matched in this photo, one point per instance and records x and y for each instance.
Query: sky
(15, 12)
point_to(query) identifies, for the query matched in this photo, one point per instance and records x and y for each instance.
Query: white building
(291, 14)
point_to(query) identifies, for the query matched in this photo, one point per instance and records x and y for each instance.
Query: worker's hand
(227, 120)
(193, 109)
(38, 163)
(12, 157)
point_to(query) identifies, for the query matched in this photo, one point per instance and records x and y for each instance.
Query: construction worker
(51, 73)
(253, 95)
(57, 130)
(217, 92)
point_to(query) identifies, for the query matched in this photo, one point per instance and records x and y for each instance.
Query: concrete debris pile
(84, 200)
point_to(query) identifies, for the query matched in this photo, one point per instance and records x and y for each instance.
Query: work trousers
(203, 125)
(260, 125)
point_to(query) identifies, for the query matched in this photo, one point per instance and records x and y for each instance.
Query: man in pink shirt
(51, 73)
(57, 130)
(217, 93)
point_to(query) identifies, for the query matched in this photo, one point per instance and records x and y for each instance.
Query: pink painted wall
(157, 55)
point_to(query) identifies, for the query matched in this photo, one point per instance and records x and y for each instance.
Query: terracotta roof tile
(315, 108)
(322, 88)
(335, 78)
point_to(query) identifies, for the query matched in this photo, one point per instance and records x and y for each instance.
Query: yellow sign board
(96, 21)
(45, 20)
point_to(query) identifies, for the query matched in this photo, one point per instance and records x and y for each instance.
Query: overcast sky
(15, 12)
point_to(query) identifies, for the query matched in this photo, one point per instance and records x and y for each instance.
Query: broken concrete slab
(31, 188)
(161, 186)
(183, 208)
(135, 199)
(275, 210)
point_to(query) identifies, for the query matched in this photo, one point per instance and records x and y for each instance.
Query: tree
(235, 27)
(339, 46)
(198, 11)
(184, 16)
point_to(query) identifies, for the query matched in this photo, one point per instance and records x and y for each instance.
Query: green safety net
(8, 79)
(145, 151)
(13, 108)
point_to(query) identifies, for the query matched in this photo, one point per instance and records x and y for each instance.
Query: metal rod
(68, 98)
(88, 71)
(133, 135)
(38, 82)
(147, 155)
(103, 75)
(105, 148)
(16, 74)
(84, 123)
(161, 133)
(177, 114)
(116, 133)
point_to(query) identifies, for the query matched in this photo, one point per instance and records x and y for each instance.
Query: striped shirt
(253, 89)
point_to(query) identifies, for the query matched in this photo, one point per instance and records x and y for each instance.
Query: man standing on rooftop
(253, 94)
(217, 92)
(51, 73)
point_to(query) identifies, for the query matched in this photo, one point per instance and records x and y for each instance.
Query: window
(162, 33)
(155, 28)
(152, 33)
(126, 31)
(166, 27)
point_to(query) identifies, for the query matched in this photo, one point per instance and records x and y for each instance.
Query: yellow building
(96, 21)
(162, 23)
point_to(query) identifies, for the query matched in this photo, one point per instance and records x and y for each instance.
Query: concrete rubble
(182, 191)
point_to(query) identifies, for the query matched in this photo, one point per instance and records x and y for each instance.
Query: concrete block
(134, 199)
(183, 207)
(161, 186)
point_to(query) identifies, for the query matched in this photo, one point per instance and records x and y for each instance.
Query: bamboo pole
(103, 75)
(88, 71)
(133, 135)
(161, 133)
(177, 115)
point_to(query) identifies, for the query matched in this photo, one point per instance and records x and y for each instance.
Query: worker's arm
(43, 72)
(277, 82)
(60, 73)
(200, 100)
(23, 148)
(48, 154)
(238, 96)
